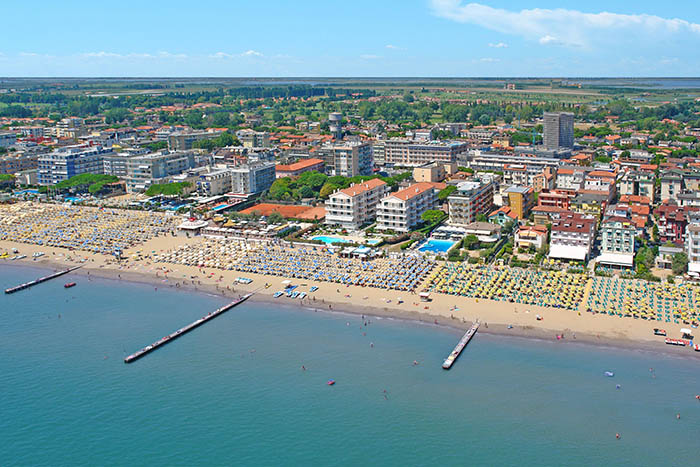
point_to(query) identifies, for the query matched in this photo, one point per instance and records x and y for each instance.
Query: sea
(233, 392)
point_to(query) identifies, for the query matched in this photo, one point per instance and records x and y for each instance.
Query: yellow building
(520, 199)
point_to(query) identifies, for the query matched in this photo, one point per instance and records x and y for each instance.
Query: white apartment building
(69, 161)
(356, 205)
(148, 169)
(214, 183)
(401, 211)
(253, 139)
(470, 200)
(409, 153)
(617, 242)
(572, 236)
(252, 178)
(692, 242)
(347, 158)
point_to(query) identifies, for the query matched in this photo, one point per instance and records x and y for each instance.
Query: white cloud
(498, 45)
(221, 55)
(569, 28)
(393, 47)
(252, 53)
(370, 57)
(489, 60)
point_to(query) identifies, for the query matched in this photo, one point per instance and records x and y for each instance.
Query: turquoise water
(233, 392)
(330, 240)
(437, 246)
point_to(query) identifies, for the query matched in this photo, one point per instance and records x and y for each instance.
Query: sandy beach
(445, 310)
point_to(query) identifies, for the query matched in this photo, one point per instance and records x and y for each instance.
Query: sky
(329, 38)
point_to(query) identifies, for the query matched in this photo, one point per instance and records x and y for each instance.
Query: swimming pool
(374, 241)
(330, 240)
(437, 246)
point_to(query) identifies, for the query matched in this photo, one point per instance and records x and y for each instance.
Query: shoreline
(264, 296)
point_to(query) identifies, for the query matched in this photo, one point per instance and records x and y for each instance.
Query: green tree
(432, 216)
(327, 189)
(116, 115)
(482, 218)
(445, 192)
(679, 263)
(470, 241)
(275, 218)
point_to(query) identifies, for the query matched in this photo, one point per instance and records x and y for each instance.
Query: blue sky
(350, 38)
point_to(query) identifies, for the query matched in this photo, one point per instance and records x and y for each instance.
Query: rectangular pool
(437, 246)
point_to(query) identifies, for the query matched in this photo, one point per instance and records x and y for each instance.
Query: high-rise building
(558, 130)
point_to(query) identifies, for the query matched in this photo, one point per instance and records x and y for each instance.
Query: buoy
(617, 435)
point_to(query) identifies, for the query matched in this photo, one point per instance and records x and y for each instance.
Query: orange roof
(639, 199)
(601, 173)
(412, 191)
(303, 164)
(360, 188)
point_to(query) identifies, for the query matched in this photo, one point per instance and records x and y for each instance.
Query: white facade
(356, 205)
(401, 211)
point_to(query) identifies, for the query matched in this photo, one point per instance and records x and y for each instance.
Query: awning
(578, 253)
(616, 259)
(686, 331)
(694, 267)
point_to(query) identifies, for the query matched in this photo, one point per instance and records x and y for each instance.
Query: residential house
(531, 235)
(502, 216)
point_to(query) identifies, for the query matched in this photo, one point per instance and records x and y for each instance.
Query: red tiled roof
(412, 191)
(362, 187)
(298, 165)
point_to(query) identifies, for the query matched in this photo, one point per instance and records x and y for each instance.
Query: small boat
(609, 374)
(302, 294)
(331, 382)
(69, 285)
(313, 289)
(278, 294)
(659, 332)
(697, 347)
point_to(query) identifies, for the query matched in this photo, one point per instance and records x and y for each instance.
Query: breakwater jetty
(26, 285)
(184, 330)
(447, 364)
